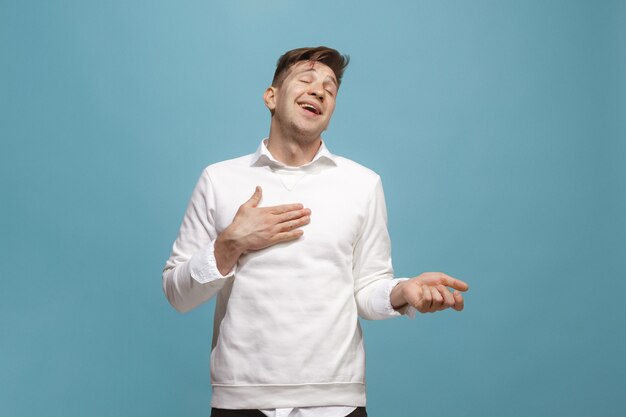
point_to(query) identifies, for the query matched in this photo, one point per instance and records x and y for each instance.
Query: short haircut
(327, 56)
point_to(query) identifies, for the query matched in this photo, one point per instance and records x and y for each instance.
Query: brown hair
(328, 56)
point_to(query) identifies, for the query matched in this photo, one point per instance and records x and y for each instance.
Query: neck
(292, 150)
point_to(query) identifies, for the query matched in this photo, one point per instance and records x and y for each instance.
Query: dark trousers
(221, 412)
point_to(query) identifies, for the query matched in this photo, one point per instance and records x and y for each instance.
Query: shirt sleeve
(371, 263)
(381, 302)
(190, 275)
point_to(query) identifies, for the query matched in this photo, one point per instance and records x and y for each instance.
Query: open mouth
(311, 108)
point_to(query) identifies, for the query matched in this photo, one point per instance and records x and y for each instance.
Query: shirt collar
(263, 157)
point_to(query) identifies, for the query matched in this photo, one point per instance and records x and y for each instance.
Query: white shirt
(306, 291)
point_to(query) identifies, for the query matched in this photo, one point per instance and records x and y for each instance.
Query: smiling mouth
(311, 108)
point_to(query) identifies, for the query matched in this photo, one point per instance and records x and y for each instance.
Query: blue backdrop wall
(497, 126)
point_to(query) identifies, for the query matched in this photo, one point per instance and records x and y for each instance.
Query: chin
(306, 132)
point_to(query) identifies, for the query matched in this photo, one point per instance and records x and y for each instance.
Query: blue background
(497, 126)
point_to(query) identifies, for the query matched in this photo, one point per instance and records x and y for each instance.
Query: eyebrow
(328, 77)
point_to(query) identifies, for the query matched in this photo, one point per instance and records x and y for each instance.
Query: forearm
(183, 292)
(191, 282)
(227, 252)
(372, 269)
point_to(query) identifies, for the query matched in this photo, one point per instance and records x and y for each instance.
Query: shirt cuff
(203, 266)
(381, 301)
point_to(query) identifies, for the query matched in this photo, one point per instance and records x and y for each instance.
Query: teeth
(308, 106)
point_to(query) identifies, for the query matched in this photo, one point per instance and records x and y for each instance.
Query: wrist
(227, 244)
(396, 297)
(226, 252)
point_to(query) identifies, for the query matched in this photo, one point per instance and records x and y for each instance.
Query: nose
(317, 90)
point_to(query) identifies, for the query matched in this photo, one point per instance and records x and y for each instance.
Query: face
(305, 101)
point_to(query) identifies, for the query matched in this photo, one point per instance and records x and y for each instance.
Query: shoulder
(229, 164)
(233, 163)
(220, 172)
(356, 171)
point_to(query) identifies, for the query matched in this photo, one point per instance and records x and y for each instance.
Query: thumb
(256, 197)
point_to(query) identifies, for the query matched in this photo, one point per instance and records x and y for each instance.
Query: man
(293, 265)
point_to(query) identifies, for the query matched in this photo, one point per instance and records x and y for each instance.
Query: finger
(427, 299)
(256, 197)
(451, 282)
(292, 215)
(459, 303)
(437, 299)
(413, 295)
(448, 298)
(434, 306)
(293, 224)
(284, 208)
(443, 279)
(286, 236)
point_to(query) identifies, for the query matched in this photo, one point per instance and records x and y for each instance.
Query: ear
(269, 97)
